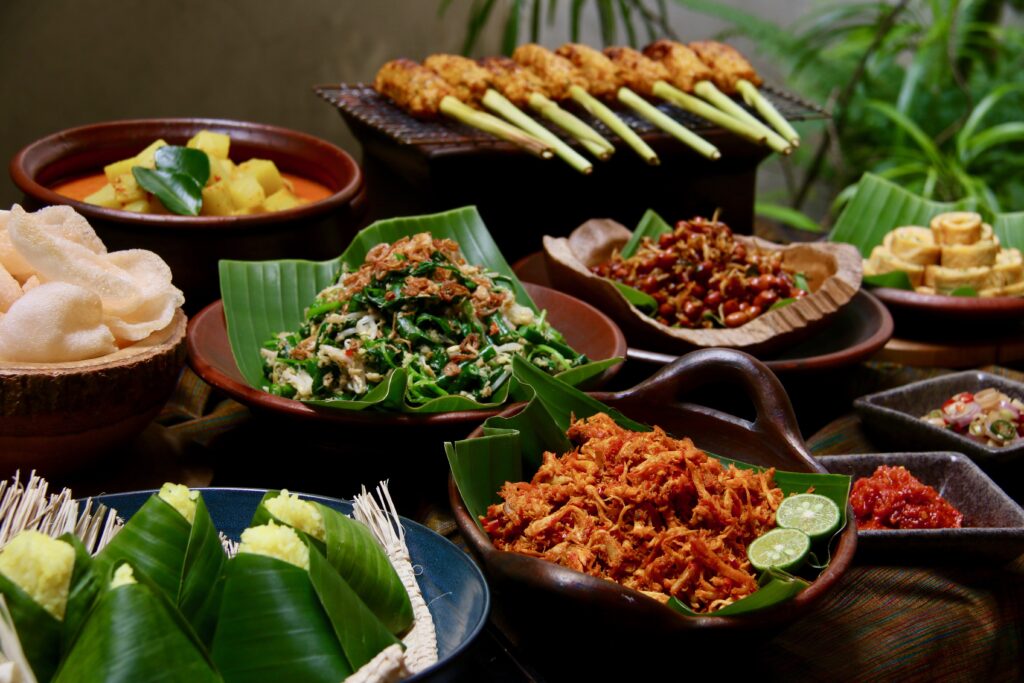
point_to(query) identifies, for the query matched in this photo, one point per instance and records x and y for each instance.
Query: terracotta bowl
(58, 417)
(531, 594)
(192, 246)
(586, 329)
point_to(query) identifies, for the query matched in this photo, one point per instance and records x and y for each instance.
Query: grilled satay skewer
(474, 83)
(639, 74)
(685, 70)
(559, 77)
(601, 81)
(424, 95)
(732, 73)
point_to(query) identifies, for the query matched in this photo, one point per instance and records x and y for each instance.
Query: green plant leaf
(361, 634)
(264, 298)
(878, 206)
(38, 630)
(906, 125)
(192, 162)
(606, 19)
(180, 193)
(511, 450)
(1009, 227)
(82, 593)
(273, 627)
(575, 15)
(202, 572)
(897, 279)
(535, 21)
(642, 300)
(510, 36)
(980, 111)
(134, 634)
(651, 225)
(478, 16)
(626, 13)
(996, 136)
(787, 216)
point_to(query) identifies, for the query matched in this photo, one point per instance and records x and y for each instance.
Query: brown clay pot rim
(47, 196)
(243, 393)
(959, 306)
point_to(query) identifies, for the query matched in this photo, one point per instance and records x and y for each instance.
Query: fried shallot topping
(648, 511)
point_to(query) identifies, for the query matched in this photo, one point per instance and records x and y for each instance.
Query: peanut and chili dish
(702, 277)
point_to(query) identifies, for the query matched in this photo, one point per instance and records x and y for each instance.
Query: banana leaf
(879, 206)
(134, 633)
(185, 561)
(359, 559)
(280, 622)
(511, 450)
(262, 299)
(651, 225)
(40, 632)
(44, 638)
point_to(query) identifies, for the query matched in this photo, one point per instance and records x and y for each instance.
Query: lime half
(812, 514)
(779, 549)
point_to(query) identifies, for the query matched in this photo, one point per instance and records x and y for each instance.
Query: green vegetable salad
(414, 304)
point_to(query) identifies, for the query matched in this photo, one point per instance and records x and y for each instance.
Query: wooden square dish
(833, 272)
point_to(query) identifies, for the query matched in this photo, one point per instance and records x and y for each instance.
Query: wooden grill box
(415, 167)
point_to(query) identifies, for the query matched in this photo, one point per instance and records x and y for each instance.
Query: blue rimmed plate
(452, 585)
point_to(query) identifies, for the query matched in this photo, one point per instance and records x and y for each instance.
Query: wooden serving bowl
(58, 417)
(192, 246)
(833, 272)
(531, 594)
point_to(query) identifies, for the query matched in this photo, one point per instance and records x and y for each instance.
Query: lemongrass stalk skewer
(602, 113)
(595, 143)
(756, 99)
(668, 124)
(499, 104)
(462, 112)
(695, 105)
(712, 94)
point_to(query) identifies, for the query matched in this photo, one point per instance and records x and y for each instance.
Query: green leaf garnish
(191, 162)
(178, 180)
(800, 280)
(642, 300)
(897, 279)
(964, 291)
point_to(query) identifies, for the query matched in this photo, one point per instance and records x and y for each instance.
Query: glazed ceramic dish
(586, 329)
(452, 585)
(192, 246)
(938, 307)
(535, 592)
(893, 417)
(60, 417)
(993, 526)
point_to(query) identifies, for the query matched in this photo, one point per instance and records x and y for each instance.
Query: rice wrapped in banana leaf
(49, 585)
(134, 633)
(286, 614)
(172, 540)
(350, 548)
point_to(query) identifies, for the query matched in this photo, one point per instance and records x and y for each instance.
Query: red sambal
(892, 498)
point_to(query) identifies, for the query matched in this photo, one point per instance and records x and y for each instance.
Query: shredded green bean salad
(414, 304)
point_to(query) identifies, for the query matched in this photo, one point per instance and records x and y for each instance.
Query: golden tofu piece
(126, 189)
(217, 200)
(214, 144)
(281, 200)
(105, 197)
(265, 172)
(246, 192)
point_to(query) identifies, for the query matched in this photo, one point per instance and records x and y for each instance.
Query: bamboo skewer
(602, 113)
(668, 124)
(498, 103)
(754, 98)
(595, 143)
(462, 112)
(712, 94)
(697, 106)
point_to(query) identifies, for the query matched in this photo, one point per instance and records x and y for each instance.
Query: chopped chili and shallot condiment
(892, 498)
(648, 511)
(989, 417)
(702, 277)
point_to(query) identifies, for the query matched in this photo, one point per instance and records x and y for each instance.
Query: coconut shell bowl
(192, 246)
(59, 417)
(536, 600)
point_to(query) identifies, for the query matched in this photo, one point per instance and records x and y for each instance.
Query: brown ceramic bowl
(59, 417)
(192, 246)
(532, 593)
(586, 329)
(938, 308)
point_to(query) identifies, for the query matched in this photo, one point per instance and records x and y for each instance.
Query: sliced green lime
(779, 549)
(812, 514)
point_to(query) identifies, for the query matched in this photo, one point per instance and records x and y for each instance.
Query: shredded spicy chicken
(651, 512)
